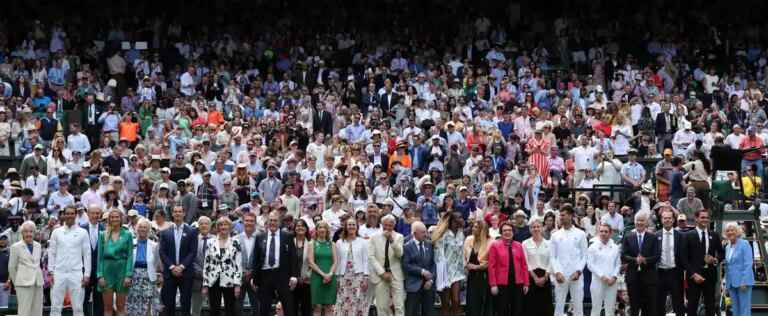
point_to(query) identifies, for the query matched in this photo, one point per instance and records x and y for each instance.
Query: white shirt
(91, 197)
(734, 140)
(706, 238)
(616, 221)
(569, 251)
(366, 232)
(537, 257)
(187, 84)
(603, 259)
(583, 157)
(276, 236)
(60, 200)
(93, 234)
(667, 260)
(248, 247)
(78, 142)
(381, 193)
(37, 184)
(69, 250)
(681, 140)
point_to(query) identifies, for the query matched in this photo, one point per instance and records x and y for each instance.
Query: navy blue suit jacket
(414, 263)
(187, 251)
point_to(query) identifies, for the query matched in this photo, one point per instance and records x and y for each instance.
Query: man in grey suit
(419, 268)
(247, 239)
(203, 235)
(270, 187)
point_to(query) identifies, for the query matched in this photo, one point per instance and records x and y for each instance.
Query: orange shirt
(215, 117)
(405, 161)
(755, 142)
(129, 131)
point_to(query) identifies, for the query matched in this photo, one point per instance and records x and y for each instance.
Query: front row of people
(402, 276)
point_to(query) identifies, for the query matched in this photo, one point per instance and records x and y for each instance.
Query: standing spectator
(143, 293)
(69, 258)
(640, 251)
(92, 304)
(247, 241)
(752, 145)
(274, 267)
(568, 257)
(537, 252)
(207, 196)
(301, 294)
(604, 262)
(203, 230)
(115, 266)
(35, 159)
(270, 187)
(352, 271)
(507, 272)
(25, 273)
(222, 270)
(476, 248)
(385, 251)
(448, 240)
(5, 283)
(671, 263)
(739, 277)
(178, 248)
(322, 262)
(419, 268)
(703, 252)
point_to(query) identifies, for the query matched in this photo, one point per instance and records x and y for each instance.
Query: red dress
(538, 151)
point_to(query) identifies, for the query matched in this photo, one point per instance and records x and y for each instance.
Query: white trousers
(63, 281)
(388, 294)
(576, 288)
(602, 293)
(30, 300)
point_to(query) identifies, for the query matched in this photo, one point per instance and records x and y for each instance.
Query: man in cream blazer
(385, 251)
(25, 273)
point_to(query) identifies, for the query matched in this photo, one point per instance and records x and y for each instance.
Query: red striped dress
(538, 156)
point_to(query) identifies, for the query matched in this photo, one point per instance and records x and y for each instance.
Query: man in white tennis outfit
(69, 257)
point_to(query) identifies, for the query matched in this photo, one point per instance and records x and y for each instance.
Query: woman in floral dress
(143, 295)
(448, 239)
(352, 271)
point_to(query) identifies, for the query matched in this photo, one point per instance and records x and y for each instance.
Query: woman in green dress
(322, 262)
(115, 263)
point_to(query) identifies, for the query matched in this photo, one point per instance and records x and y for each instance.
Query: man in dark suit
(178, 248)
(90, 119)
(702, 253)
(419, 267)
(388, 99)
(369, 99)
(671, 244)
(666, 126)
(273, 267)
(640, 251)
(323, 121)
(93, 305)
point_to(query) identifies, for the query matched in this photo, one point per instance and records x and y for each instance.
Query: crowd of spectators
(338, 159)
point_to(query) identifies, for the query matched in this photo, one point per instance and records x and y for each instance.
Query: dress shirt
(667, 260)
(699, 231)
(178, 232)
(60, 200)
(270, 235)
(583, 157)
(187, 84)
(68, 250)
(537, 256)
(91, 197)
(603, 259)
(633, 170)
(248, 246)
(93, 234)
(39, 185)
(110, 122)
(616, 221)
(568, 251)
(78, 142)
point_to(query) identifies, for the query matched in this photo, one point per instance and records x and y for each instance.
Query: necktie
(205, 245)
(640, 242)
(94, 234)
(92, 114)
(386, 257)
(272, 257)
(704, 242)
(422, 253)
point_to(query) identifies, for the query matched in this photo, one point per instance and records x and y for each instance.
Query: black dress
(478, 291)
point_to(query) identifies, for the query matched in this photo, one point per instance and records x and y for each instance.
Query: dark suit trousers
(271, 283)
(302, 300)
(707, 288)
(538, 301)
(670, 284)
(508, 301)
(420, 303)
(95, 308)
(246, 289)
(642, 297)
(215, 293)
(168, 294)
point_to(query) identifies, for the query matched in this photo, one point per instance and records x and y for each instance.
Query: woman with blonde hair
(321, 257)
(448, 241)
(739, 277)
(537, 252)
(115, 263)
(352, 270)
(476, 264)
(222, 269)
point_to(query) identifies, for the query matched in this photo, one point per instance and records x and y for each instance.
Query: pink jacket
(498, 264)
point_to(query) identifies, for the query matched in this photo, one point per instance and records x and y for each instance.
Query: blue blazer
(738, 267)
(187, 251)
(413, 262)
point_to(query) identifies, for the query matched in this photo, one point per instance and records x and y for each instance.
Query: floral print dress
(449, 259)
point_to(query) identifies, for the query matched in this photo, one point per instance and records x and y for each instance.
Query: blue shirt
(56, 76)
(141, 252)
(354, 132)
(41, 102)
(110, 121)
(506, 128)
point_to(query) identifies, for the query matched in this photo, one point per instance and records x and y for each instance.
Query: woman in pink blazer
(507, 277)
